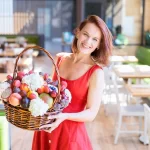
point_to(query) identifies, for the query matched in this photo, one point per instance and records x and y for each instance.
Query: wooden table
(22, 61)
(13, 52)
(13, 45)
(138, 90)
(8, 54)
(132, 71)
(8, 63)
(123, 59)
(120, 52)
(13, 40)
(30, 44)
(4, 60)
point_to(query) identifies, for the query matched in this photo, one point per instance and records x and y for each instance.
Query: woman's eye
(85, 34)
(95, 39)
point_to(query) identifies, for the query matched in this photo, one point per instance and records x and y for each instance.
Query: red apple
(63, 85)
(20, 75)
(30, 72)
(40, 90)
(23, 93)
(16, 83)
(62, 88)
(46, 76)
(53, 94)
(32, 96)
(9, 77)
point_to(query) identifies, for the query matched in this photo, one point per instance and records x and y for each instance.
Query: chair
(67, 38)
(3, 40)
(136, 110)
(110, 88)
(26, 61)
(3, 43)
(123, 111)
(10, 66)
(129, 111)
(21, 41)
(145, 137)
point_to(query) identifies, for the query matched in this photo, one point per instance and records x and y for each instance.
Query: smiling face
(88, 38)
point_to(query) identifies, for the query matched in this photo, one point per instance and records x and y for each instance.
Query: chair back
(110, 84)
(108, 75)
(147, 119)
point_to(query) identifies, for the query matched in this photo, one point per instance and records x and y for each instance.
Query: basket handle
(49, 55)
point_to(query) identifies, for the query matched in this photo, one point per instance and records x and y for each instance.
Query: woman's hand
(59, 118)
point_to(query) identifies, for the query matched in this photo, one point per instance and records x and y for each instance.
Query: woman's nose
(88, 40)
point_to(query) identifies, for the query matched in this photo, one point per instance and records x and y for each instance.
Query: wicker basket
(21, 117)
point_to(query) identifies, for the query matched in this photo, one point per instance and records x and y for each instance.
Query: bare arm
(96, 86)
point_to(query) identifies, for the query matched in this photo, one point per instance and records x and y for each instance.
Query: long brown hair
(102, 54)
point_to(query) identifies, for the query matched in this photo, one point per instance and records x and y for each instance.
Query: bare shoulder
(63, 54)
(98, 73)
(97, 76)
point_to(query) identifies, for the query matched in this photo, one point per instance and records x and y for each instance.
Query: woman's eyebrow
(88, 34)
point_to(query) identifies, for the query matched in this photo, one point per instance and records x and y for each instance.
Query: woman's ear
(76, 36)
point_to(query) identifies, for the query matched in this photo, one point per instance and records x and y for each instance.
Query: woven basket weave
(21, 117)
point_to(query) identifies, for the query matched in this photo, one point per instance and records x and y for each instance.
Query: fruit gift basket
(29, 97)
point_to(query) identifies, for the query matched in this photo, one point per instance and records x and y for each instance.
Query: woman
(82, 70)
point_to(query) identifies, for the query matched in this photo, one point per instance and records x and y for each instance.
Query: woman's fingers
(52, 117)
(50, 121)
(52, 113)
(49, 128)
(46, 126)
(55, 116)
(53, 122)
(49, 125)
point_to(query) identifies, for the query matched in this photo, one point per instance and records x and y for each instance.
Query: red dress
(69, 135)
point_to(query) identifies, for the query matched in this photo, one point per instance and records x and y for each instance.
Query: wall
(6, 22)
(132, 21)
(118, 14)
(127, 13)
(147, 15)
(79, 11)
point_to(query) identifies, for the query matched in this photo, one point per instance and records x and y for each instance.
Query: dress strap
(59, 60)
(92, 69)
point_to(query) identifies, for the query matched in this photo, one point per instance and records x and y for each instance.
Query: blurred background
(50, 24)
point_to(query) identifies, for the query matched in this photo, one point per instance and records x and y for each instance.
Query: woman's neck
(83, 58)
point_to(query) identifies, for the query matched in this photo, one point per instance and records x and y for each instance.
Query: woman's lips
(85, 46)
